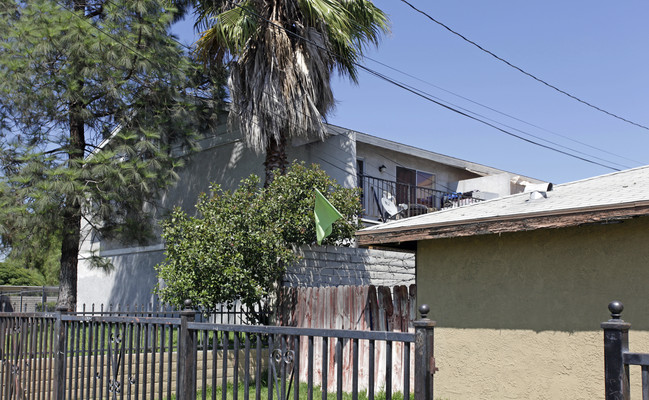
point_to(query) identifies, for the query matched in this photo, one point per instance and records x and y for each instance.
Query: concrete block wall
(341, 266)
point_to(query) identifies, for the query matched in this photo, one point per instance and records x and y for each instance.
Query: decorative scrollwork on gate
(282, 363)
(116, 355)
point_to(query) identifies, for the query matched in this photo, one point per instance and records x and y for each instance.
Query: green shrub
(13, 275)
(239, 245)
(50, 306)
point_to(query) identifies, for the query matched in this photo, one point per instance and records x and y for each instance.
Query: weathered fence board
(361, 308)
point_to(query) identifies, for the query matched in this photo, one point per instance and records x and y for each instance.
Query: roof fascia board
(512, 223)
(475, 168)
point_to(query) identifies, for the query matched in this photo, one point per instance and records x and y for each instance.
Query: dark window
(360, 170)
(408, 182)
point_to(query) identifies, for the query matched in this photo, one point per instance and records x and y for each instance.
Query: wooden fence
(357, 308)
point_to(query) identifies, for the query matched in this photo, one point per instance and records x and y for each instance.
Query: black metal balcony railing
(419, 200)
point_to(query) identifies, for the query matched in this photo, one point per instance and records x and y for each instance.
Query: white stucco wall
(446, 177)
(336, 155)
(223, 159)
(133, 279)
(130, 282)
(499, 184)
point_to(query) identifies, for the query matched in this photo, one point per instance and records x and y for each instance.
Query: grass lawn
(317, 394)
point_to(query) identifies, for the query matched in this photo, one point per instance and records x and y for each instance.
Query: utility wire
(381, 76)
(508, 126)
(489, 108)
(505, 114)
(537, 137)
(523, 71)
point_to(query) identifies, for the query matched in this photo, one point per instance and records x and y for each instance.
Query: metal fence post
(616, 343)
(424, 355)
(187, 354)
(59, 354)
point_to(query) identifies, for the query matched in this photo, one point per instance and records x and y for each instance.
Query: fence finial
(188, 304)
(615, 307)
(424, 310)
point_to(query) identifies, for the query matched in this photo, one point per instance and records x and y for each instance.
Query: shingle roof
(612, 191)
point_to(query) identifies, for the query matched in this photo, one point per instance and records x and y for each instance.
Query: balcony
(408, 200)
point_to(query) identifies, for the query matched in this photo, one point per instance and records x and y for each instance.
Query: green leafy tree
(96, 99)
(13, 275)
(281, 54)
(290, 199)
(239, 245)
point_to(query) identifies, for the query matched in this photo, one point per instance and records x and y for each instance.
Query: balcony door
(415, 187)
(406, 182)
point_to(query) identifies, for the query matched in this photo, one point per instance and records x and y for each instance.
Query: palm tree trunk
(275, 159)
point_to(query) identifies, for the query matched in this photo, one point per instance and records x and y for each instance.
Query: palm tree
(281, 54)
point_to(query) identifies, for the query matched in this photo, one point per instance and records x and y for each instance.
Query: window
(415, 187)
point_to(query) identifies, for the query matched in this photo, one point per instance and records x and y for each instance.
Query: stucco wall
(133, 278)
(518, 314)
(223, 159)
(446, 177)
(499, 184)
(336, 155)
(130, 282)
(339, 266)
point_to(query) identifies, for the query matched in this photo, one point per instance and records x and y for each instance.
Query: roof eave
(478, 169)
(513, 223)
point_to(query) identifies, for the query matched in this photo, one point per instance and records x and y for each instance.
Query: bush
(290, 198)
(13, 275)
(239, 245)
(50, 306)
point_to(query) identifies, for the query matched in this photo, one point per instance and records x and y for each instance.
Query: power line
(381, 76)
(489, 108)
(510, 127)
(523, 71)
(506, 114)
(525, 133)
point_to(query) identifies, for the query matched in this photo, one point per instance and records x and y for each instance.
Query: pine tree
(96, 102)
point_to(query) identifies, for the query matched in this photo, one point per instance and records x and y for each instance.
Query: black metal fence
(416, 199)
(618, 358)
(75, 356)
(234, 313)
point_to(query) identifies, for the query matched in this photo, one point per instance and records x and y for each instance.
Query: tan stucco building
(519, 285)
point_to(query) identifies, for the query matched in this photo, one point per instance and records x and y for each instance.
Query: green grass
(317, 393)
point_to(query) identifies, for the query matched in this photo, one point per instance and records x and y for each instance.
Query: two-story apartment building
(421, 180)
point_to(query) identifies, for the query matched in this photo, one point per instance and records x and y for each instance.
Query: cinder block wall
(340, 266)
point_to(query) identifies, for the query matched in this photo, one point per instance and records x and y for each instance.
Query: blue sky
(595, 50)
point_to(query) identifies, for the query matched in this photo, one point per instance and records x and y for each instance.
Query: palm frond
(283, 54)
